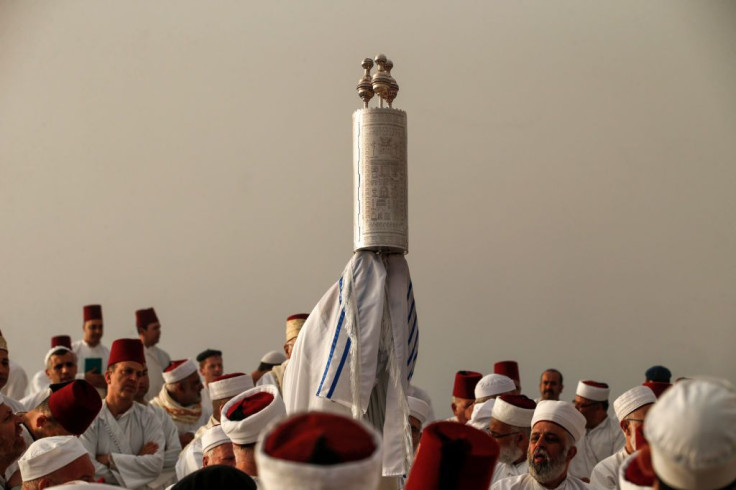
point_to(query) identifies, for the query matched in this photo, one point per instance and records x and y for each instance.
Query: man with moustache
(126, 439)
(556, 427)
(550, 385)
(12, 444)
(511, 422)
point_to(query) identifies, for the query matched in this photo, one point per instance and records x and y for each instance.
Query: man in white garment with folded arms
(556, 427)
(511, 423)
(126, 438)
(54, 461)
(222, 389)
(603, 437)
(631, 409)
(181, 398)
(245, 417)
(486, 390)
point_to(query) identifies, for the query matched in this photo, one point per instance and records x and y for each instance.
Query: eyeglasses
(496, 435)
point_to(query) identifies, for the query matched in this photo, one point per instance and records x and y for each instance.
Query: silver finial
(393, 88)
(381, 81)
(365, 88)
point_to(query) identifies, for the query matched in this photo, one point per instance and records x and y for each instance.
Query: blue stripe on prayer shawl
(339, 369)
(413, 329)
(334, 342)
(408, 293)
(411, 310)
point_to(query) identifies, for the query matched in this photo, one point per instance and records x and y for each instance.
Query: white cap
(273, 357)
(633, 399)
(493, 385)
(180, 372)
(418, 409)
(563, 414)
(49, 454)
(252, 410)
(52, 350)
(230, 386)
(510, 414)
(692, 435)
(588, 389)
(481, 416)
(213, 437)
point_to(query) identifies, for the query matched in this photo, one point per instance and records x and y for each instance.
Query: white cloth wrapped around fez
(49, 454)
(229, 386)
(362, 334)
(493, 385)
(481, 416)
(180, 372)
(561, 413)
(510, 414)
(633, 399)
(213, 437)
(51, 351)
(596, 393)
(418, 409)
(692, 435)
(266, 407)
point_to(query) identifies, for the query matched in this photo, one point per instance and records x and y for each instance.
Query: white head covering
(510, 414)
(246, 431)
(418, 409)
(633, 399)
(213, 437)
(493, 385)
(180, 372)
(481, 416)
(363, 474)
(591, 392)
(52, 350)
(49, 454)
(229, 387)
(273, 357)
(561, 413)
(692, 435)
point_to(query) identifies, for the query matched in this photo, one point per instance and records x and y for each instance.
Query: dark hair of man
(551, 370)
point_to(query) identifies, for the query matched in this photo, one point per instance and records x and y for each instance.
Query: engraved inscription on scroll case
(380, 184)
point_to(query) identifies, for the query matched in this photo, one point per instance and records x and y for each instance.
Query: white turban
(259, 409)
(563, 414)
(49, 454)
(213, 437)
(180, 372)
(510, 414)
(692, 435)
(633, 399)
(230, 386)
(493, 385)
(587, 389)
(418, 409)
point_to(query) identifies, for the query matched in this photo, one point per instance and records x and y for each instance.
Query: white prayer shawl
(171, 434)
(596, 445)
(122, 439)
(504, 470)
(156, 361)
(17, 383)
(605, 473)
(33, 400)
(527, 482)
(182, 426)
(267, 379)
(336, 363)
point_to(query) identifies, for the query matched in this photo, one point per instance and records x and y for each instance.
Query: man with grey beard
(556, 427)
(511, 423)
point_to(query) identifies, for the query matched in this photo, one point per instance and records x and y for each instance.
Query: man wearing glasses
(631, 408)
(511, 425)
(602, 435)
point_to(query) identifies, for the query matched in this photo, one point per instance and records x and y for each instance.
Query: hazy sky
(572, 177)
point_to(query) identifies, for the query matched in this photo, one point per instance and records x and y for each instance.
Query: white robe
(504, 470)
(156, 361)
(17, 384)
(527, 482)
(596, 445)
(122, 439)
(605, 473)
(364, 324)
(190, 459)
(39, 382)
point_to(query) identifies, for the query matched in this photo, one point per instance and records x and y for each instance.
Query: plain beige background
(572, 176)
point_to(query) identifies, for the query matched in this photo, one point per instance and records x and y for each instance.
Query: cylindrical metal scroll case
(380, 184)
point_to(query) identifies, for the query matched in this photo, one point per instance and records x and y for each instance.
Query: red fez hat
(126, 350)
(453, 455)
(249, 405)
(320, 439)
(298, 316)
(61, 341)
(507, 368)
(227, 376)
(145, 317)
(465, 382)
(594, 383)
(92, 312)
(658, 387)
(75, 406)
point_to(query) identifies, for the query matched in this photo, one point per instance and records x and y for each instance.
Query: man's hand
(185, 438)
(104, 459)
(148, 448)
